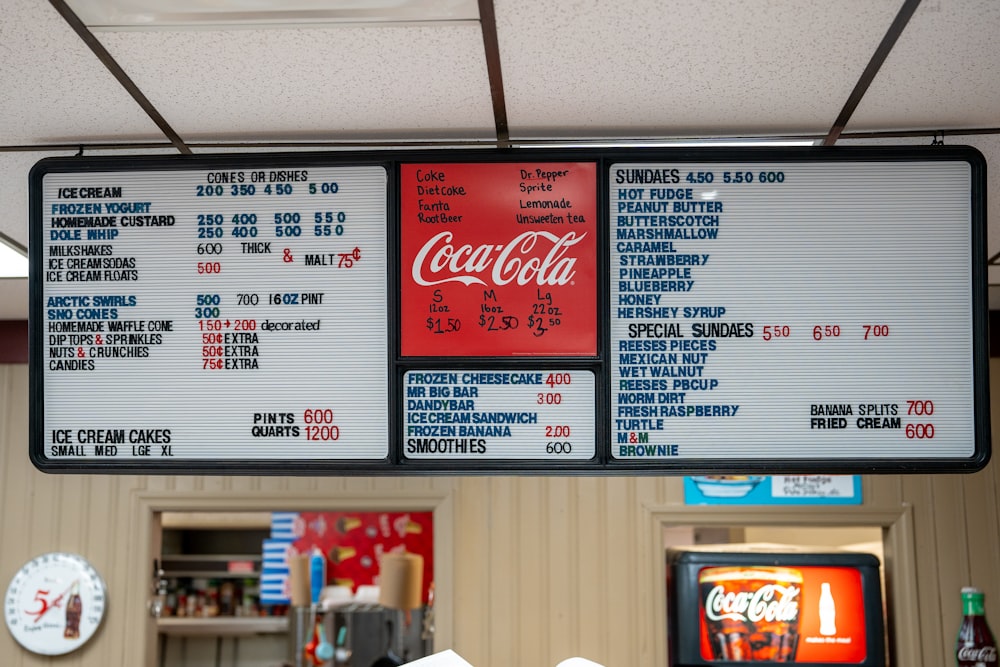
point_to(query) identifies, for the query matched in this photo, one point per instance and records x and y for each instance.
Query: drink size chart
(499, 259)
(790, 310)
(238, 313)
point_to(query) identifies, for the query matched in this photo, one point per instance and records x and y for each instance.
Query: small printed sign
(773, 490)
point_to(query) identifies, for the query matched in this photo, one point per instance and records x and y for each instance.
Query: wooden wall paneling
(982, 493)
(213, 484)
(620, 574)
(918, 490)
(881, 490)
(504, 573)
(152, 646)
(445, 557)
(161, 483)
(979, 498)
(350, 484)
(901, 600)
(672, 491)
(273, 486)
(591, 530)
(183, 484)
(953, 552)
(649, 562)
(648, 489)
(72, 513)
(244, 484)
(982, 526)
(393, 485)
(562, 568)
(532, 518)
(73, 522)
(12, 524)
(41, 491)
(472, 563)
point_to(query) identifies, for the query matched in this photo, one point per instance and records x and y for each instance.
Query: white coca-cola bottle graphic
(827, 611)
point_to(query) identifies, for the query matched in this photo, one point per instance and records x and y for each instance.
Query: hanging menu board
(545, 312)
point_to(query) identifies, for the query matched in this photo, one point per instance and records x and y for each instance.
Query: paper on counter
(447, 658)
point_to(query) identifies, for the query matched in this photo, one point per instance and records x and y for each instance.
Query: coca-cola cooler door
(770, 608)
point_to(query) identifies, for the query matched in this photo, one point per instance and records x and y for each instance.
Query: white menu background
(308, 377)
(499, 415)
(870, 248)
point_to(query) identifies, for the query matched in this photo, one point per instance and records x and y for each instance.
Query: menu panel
(711, 313)
(499, 259)
(791, 310)
(499, 415)
(215, 314)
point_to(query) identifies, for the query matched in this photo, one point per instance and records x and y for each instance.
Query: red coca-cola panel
(801, 614)
(499, 259)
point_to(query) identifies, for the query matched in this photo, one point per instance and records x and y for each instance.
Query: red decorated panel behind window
(499, 259)
(354, 542)
(803, 614)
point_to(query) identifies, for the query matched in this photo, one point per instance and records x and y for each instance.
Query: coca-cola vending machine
(774, 606)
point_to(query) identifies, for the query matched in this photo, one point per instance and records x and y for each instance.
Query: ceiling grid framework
(524, 73)
(116, 71)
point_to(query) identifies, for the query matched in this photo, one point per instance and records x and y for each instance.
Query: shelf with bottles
(222, 626)
(199, 598)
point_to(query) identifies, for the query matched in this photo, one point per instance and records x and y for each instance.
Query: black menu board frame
(477, 376)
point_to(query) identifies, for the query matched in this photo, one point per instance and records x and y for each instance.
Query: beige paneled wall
(534, 569)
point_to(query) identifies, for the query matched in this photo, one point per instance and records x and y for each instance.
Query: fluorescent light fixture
(667, 143)
(227, 14)
(13, 258)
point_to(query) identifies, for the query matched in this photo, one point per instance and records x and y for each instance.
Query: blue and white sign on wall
(773, 490)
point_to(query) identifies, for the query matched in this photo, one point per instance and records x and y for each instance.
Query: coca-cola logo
(978, 653)
(770, 602)
(441, 261)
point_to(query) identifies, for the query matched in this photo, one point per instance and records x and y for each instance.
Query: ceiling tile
(707, 68)
(14, 170)
(943, 71)
(314, 84)
(54, 88)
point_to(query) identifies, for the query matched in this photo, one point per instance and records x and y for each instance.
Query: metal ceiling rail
(112, 65)
(491, 47)
(476, 143)
(868, 75)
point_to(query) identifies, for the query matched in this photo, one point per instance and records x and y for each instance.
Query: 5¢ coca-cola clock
(55, 603)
